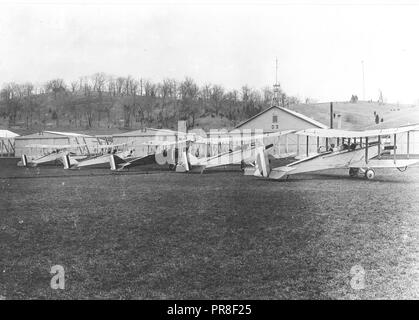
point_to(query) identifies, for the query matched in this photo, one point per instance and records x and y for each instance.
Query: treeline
(101, 100)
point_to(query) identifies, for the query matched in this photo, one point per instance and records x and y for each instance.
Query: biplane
(51, 154)
(178, 155)
(103, 155)
(358, 151)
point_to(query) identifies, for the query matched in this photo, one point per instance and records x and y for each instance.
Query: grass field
(152, 234)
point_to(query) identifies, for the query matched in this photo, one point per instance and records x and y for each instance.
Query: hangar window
(274, 118)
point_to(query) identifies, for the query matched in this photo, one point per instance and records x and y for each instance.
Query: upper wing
(227, 138)
(335, 133)
(107, 146)
(55, 146)
(224, 138)
(165, 143)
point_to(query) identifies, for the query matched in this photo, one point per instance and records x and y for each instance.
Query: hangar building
(277, 118)
(136, 139)
(49, 138)
(7, 144)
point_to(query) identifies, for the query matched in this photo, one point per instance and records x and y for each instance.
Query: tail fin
(112, 162)
(183, 165)
(269, 146)
(263, 167)
(185, 160)
(69, 162)
(24, 160)
(66, 161)
(193, 160)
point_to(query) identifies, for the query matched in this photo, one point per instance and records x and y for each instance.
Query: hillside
(359, 116)
(355, 116)
(400, 118)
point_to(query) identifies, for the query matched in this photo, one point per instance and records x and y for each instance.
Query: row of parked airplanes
(360, 152)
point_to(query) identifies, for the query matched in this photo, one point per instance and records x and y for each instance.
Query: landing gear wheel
(353, 172)
(370, 174)
(172, 167)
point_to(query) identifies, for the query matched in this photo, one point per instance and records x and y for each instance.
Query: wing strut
(379, 147)
(395, 147)
(408, 144)
(366, 150)
(307, 145)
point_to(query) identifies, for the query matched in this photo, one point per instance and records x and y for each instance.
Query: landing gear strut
(353, 172)
(367, 173)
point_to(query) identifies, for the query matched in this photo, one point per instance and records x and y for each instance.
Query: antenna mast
(277, 87)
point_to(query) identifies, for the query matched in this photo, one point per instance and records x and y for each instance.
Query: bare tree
(217, 95)
(55, 86)
(120, 82)
(189, 94)
(11, 105)
(74, 85)
(267, 95)
(29, 103)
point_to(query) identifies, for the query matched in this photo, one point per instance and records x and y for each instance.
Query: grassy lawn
(160, 235)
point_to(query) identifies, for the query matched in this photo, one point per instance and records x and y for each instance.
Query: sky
(320, 45)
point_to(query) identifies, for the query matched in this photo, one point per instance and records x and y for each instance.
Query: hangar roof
(294, 113)
(7, 134)
(146, 132)
(68, 134)
(51, 134)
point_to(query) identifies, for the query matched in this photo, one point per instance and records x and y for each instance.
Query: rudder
(24, 160)
(263, 167)
(66, 161)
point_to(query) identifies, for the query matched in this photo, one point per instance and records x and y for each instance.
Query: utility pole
(363, 81)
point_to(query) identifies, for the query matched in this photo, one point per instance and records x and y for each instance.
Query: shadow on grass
(87, 174)
(332, 177)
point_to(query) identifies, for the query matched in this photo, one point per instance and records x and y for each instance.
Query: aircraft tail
(66, 161)
(24, 161)
(280, 172)
(112, 162)
(185, 160)
(184, 165)
(263, 167)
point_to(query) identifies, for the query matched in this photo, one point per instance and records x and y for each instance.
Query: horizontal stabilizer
(280, 172)
(284, 155)
(249, 171)
(138, 161)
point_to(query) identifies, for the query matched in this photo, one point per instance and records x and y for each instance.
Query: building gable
(279, 119)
